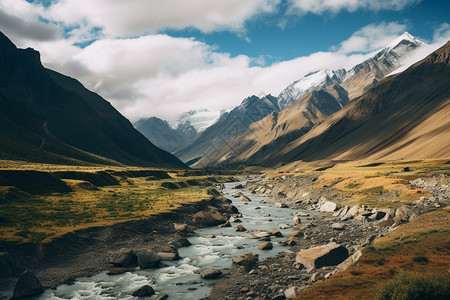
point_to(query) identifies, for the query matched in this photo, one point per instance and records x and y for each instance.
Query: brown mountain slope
(406, 116)
(51, 118)
(271, 134)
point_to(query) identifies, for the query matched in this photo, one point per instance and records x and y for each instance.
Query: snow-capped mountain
(358, 79)
(311, 81)
(199, 119)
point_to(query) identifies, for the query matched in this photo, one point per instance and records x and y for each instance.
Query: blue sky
(165, 57)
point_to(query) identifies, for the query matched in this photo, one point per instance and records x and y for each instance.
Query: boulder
(169, 256)
(350, 213)
(338, 226)
(144, 291)
(377, 215)
(211, 273)
(291, 293)
(236, 195)
(328, 206)
(350, 261)
(181, 228)
(180, 242)
(275, 232)
(27, 285)
(294, 233)
(283, 226)
(280, 205)
(204, 218)
(288, 242)
(258, 234)
(245, 198)
(238, 186)
(161, 297)
(226, 224)
(124, 258)
(247, 260)
(265, 246)
(147, 258)
(241, 228)
(331, 254)
(296, 221)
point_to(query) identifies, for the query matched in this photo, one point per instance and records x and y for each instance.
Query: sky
(164, 57)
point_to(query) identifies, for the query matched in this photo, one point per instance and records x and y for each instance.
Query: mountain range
(48, 117)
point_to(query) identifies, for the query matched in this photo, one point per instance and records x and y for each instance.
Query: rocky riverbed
(285, 275)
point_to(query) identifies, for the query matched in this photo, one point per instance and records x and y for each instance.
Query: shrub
(415, 287)
(420, 259)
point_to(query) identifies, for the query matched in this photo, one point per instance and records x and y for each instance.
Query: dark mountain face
(229, 125)
(48, 117)
(162, 135)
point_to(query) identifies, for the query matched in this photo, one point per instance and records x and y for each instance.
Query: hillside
(51, 118)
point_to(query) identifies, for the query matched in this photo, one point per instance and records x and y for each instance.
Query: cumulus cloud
(135, 17)
(334, 6)
(371, 37)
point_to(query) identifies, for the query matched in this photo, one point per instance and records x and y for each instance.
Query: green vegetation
(415, 287)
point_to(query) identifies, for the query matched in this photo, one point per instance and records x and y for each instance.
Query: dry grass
(39, 218)
(421, 247)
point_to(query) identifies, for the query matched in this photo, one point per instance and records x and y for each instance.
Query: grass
(419, 249)
(32, 218)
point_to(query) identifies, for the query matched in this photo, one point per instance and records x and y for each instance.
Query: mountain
(161, 134)
(405, 116)
(199, 119)
(359, 78)
(48, 117)
(228, 126)
(272, 133)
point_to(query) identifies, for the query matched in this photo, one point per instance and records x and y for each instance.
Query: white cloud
(136, 17)
(335, 6)
(371, 37)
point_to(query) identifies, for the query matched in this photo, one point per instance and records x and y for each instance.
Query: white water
(180, 279)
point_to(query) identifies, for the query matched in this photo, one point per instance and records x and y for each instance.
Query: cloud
(335, 6)
(135, 17)
(23, 19)
(371, 37)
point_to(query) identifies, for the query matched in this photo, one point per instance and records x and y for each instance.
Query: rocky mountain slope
(228, 126)
(51, 118)
(404, 116)
(162, 135)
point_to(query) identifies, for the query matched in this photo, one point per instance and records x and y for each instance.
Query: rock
(258, 234)
(27, 285)
(124, 258)
(406, 169)
(350, 261)
(226, 224)
(268, 191)
(280, 205)
(211, 236)
(291, 292)
(385, 223)
(331, 254)
(365, 213)
(180, 242)
(328, 206)
(315, 277)
(338, 226)
(296, 221)
(275, 232)
(301, 214)
(204, 218)
(247, 260)
(352, 212)
(377, 215)
(236, 195)
(144, 291)
(211, 273)
(117, 271)
(182, 228)
(241, 228)
(279, 297)
(245, 198)
(169, 256)
(294, 233)
(283, 226)
(281, 194)
(161, 297)
(288, 242)
(147, 258)
(265, 246)
(238, 186)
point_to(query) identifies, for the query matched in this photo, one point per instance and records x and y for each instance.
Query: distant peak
(5, 43)
(406, 36)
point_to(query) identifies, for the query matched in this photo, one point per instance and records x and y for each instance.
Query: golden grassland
(39, 218)
(377, 184)
(420, 248)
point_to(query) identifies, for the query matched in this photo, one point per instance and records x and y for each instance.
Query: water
(180, 279)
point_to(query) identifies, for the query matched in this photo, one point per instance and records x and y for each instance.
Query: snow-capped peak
(404, 37)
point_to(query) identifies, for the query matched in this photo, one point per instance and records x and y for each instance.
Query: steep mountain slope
(271, 134)
(48, 117)
(229, 125)
(199, 119)
(405, 116)
(162, 135)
